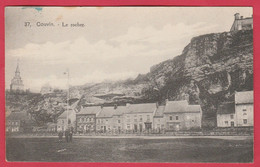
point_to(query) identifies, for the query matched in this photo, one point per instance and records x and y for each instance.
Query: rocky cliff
(208, 72)
(210, 69)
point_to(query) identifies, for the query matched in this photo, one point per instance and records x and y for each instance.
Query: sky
(115, 43)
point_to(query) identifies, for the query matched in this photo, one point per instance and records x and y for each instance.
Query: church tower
(17, 83)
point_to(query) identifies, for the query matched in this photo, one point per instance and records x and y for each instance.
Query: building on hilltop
(17, 83)
(241, 23)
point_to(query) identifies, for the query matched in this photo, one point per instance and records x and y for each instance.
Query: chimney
(241, 17)
(157, 104)
(115, 106)
(236, 16)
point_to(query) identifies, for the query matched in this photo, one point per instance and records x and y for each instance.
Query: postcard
(129, 84)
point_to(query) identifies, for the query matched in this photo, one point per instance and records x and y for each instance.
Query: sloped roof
(22, 116)
(120, 110)
(193, 108)
(246, 97)
(226, 108)
(106, 112)
(64, 114)
(159, 111)
(90, 110)
(142, 108)
(176, 106)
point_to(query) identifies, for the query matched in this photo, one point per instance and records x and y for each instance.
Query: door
(140, 127)
(135, 127)
(232, 123)
(105, 129)
(148, 125)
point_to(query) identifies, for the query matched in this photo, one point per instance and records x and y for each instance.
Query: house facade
(244, 107)
(104, 119)
(226, 115)
(158, 119)
(86, 119)
(118, 119)
(179, 115)
(66, 120)
(239, 113)
(139, 117)
(18, 122)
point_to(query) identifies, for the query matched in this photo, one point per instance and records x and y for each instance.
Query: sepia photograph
(129, 84)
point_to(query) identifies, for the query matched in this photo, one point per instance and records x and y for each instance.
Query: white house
(238, 113)
(244, 106)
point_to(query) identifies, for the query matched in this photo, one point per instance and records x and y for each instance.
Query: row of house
(175, 115)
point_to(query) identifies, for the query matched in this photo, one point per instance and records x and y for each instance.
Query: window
(140, 117)
(226, 122)
(170, 117)
(192, 120)
(148, 117)
(244, 113)
(128, 126)
(119, 121)
(244, 109)
(245, 121)
(177, 117)
(231, 116)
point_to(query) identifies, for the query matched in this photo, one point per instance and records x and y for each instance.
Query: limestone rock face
(210, 69)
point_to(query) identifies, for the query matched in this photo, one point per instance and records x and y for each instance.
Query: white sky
(117, 42)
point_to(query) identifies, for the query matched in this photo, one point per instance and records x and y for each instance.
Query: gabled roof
(159, 111)
(90, 110)
(142, 108)
(246, 97)
(22, 116)
(226, 108)
(176, 106)
(120, 110)
(64, 114)
(106, 112)
(193, 108)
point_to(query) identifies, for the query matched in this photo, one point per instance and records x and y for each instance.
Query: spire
(17, 71)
